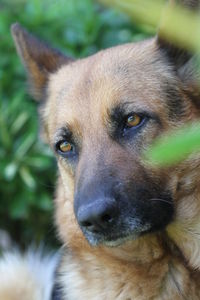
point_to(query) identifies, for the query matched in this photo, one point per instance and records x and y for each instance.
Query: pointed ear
(39, 59)
(184, 61)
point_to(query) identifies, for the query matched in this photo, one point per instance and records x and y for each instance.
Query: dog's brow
(118, 112)
(63, 132)
(116, 116)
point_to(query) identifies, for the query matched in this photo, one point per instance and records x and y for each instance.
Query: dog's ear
(183, 60)
(39, 59)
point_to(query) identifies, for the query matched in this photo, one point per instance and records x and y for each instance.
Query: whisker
(161, 200)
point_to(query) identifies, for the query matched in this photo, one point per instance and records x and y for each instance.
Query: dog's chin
(120, 241)
(95, 239)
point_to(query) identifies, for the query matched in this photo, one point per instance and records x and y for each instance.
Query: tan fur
(163, 265)
(142, 269)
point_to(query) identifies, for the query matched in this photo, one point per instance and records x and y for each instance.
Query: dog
(130, 230)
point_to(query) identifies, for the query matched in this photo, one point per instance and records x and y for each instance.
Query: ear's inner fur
(38, 58)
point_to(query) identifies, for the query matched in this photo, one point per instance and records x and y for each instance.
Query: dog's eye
(64, 147)
(133, 120)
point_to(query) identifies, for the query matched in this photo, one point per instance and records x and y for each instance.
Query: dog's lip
(120, 240)
(97, 240)
(114, 240)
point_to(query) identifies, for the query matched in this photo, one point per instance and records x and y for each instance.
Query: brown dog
(129, 230)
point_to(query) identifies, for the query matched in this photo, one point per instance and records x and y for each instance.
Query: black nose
(100, 215)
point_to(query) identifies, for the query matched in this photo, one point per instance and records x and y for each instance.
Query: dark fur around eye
(64, 135)
(118, 125)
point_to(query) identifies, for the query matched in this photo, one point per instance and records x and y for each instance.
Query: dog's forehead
(92, 86)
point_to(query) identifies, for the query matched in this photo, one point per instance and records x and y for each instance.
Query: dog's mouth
(116, 237)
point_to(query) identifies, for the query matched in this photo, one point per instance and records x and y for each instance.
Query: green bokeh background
(27, 167)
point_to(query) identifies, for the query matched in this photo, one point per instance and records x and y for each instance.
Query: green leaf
(19, 122)
(10, 171)
(39, 162)
(19, 208)
(176, 146)
(4, 132)
(45, 203)
(25, 145)
(27, 177)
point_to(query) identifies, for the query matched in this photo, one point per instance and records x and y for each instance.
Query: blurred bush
(27, 167)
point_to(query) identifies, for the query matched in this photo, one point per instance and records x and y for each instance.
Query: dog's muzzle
(107, 215)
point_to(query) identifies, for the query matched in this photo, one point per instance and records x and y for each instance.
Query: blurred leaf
(25, 145)
(4, 133)
(10, 171)
(19, 122)
(41, 162)
(178, 24)
(176, 146)
(27, 177)
(44, 203)
(19, 209)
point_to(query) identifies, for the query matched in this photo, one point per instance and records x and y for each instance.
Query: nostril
(106, 218)
(97, 223)
(93, 227)
(86, 224)
(102, 220)
(98, 216)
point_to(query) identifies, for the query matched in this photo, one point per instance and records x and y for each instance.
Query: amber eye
(65, 147)
(133, 120)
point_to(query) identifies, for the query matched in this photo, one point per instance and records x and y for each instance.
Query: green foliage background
(27, 168)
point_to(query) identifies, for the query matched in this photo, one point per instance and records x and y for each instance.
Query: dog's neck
(185, 230)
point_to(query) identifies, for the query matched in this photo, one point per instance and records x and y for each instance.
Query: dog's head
(100, 114)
